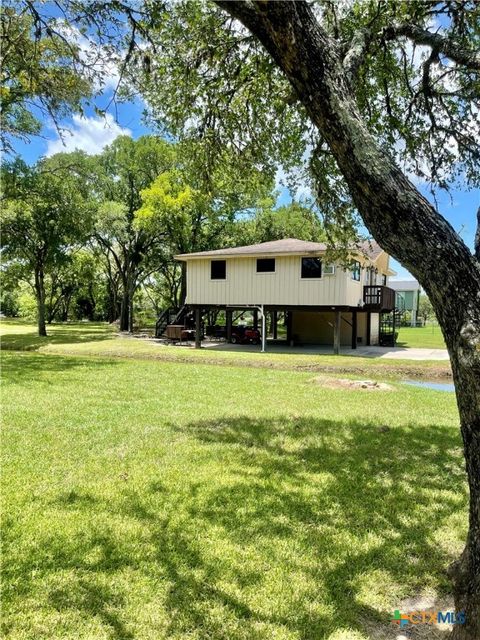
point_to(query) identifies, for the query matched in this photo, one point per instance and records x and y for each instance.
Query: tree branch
(477, 236)
(353, 58)
(249, 15)
(443, 44)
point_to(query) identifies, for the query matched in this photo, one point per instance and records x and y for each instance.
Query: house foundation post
(369, 328)
(336, 332)
(198, 328)
(255, 319)
(354, 330)
(264, 329)
(228, 320)
(289, 321)
(394, 318)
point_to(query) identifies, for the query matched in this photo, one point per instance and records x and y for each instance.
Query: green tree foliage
(223, 91)
(196, 207)
(46, 210)
(425, 308)
(42, 75)
(124, 169)
(12, 276)
(293, 220)
(205, 75)
(76, 287)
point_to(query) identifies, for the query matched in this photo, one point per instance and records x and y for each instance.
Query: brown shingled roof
(280, 247)
(287, 245)
(371, 248)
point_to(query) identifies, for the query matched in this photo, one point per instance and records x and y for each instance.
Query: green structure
(407, 297)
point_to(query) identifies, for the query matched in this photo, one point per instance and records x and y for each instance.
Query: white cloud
(87, 134)
(297, 179)
(102, 61)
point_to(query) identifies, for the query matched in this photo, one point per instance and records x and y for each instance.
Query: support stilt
(198, 328)
(336, 333)
(228, 316)
(354, 330)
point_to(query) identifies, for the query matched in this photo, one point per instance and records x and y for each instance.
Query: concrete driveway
(387, 353)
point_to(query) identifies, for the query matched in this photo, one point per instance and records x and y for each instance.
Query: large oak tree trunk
(40, 294)
(465, 573)
(125, 310)
(130, 310)
(125, 305)
(402, 221)
(112, 309)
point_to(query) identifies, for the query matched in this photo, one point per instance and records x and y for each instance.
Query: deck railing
(379, 297)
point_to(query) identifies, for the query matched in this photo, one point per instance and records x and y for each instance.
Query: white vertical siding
(243, 285)
(374, 328)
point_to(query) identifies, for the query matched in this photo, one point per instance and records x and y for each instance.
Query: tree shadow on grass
(57, 334)
(321, 504)
(50, 568)
(396, 486)
(30, 367)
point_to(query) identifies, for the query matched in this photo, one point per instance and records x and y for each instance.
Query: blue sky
(91, 133)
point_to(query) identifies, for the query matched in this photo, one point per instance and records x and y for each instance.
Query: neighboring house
(407, 296)
(323, 302)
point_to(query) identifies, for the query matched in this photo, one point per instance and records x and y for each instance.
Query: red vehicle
(245, 335)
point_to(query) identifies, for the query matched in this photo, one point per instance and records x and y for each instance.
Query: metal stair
(170, 316)
(389, 324)
(162, 322)
(180, 315)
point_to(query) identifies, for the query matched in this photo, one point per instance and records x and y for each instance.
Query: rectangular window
(329, 270)
(311, 268)
(356, 270)
(218, 269)
(384, 280)
(265, 265)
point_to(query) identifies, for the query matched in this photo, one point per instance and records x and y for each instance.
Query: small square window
(265, 265)
(329, 270)
(356, 271)
(218, 269)
(311, 268)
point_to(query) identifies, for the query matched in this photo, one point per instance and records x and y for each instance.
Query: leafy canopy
(42, 75)
(45, 209)
(413, 69)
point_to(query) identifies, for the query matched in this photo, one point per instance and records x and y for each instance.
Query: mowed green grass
(100, 339)
(429, 337)
(147, 499)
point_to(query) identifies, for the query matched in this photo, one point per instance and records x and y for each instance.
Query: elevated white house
(323, 302)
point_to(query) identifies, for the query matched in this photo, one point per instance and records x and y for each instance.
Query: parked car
(243, 335)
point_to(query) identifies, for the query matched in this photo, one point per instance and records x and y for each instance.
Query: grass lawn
(149, 499)
(429, 337)
(100, 339)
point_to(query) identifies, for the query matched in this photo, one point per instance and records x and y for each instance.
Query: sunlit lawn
(146, 499)
(100, 339)
(429, 337)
